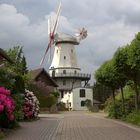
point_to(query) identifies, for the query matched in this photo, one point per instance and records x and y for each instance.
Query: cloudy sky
(110, 24)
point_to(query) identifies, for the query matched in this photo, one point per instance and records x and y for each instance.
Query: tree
(127, 62)
(106, 75)
(50, 101)
(134, 63)
(16, 83)
(19, 66)
(120, 58)
(101, 92)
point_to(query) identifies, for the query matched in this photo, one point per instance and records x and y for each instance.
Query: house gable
(40, 75)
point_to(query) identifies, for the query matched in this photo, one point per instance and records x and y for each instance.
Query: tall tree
(19, 68)
(134, 63)
(109, 76)
(106, 75)
(120, 58)
(101, 92)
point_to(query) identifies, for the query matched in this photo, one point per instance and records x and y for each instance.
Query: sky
(110, 24)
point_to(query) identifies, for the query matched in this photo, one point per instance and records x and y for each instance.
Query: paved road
(75, 126)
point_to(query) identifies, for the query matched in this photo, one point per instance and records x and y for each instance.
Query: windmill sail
(82, 34)
(51, 32)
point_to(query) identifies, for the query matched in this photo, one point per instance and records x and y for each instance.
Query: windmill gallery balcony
(82, 76)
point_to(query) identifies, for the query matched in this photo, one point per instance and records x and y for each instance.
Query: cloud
(110, 24)
(17, 29)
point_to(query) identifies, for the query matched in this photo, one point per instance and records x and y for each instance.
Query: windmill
(52, 27)
(81, 34)
(64, 68)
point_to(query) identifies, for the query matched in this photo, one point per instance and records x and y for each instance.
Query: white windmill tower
(64, 68)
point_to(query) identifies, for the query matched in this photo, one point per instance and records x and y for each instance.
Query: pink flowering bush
(7, 106)
(30, 105)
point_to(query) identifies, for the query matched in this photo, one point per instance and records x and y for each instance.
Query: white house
(75, 100)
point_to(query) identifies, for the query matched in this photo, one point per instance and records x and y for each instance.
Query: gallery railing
(76, 75)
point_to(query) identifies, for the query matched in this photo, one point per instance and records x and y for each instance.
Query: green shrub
(95, 108)
(19, 86)
(1, 134)
(116, 111)
(47, 100)
(6, 123)
(61, 106)
(134, 118)
(39, 94)
(128, 93)
(18, 98)
(6, 79)
(50, 101)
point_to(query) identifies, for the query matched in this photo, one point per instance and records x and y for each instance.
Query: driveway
(75, 126)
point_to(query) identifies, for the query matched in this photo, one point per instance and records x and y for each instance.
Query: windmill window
(64, 71)
(53, 73)
(71, 51)
(64, 57)
(64, 82)
(57, 51)
(62, 94)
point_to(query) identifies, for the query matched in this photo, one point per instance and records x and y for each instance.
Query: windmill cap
(65, 38)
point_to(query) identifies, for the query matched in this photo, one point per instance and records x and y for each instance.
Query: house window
(82, 93)
(62, 94)
(71, 51)
(75, 72)
(64, 57)
(64, 71)
(57, 51)
(64, 82)
(82, 103)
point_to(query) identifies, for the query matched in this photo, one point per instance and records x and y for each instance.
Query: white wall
(67, 50)
(77, 99)
(68, 98)
(68, 85)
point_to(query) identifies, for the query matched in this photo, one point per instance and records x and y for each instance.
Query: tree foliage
(12, 77)
(19, 66)
(122, 69)
(101, 92)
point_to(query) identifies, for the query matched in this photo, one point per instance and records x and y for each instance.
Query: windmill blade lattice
(51, 32)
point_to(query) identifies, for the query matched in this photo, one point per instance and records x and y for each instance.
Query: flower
(25, 109)
(30, 105)
(3, 90)
(6, 103)
(11, 117)
(1, 108)
(2, 97)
